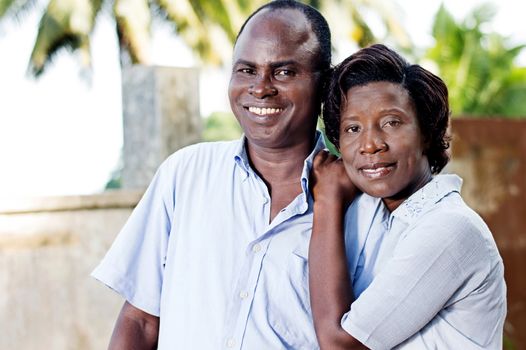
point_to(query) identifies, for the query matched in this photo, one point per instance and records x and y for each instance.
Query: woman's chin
(378, 191)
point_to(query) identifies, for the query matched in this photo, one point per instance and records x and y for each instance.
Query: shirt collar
(307, 165)
(241, 158)
(426, 197)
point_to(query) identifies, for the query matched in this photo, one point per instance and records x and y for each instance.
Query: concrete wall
(48, 247)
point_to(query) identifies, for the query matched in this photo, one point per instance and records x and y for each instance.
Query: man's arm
(134, 330)
(330, 287)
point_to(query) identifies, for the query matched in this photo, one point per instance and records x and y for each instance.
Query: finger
(331, 158)
(320, 158)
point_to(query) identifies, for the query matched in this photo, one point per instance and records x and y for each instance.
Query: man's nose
(262, 86)
(372, 142)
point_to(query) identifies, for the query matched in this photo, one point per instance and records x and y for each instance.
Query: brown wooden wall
(490, 155)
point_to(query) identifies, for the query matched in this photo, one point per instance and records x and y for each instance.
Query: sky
(61, 135)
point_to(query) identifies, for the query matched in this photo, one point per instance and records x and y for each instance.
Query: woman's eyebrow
(393, 109)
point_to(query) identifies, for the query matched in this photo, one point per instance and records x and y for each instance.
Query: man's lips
(376, 170)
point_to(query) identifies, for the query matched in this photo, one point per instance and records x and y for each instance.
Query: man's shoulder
(209, 147)
(211, 152)
(199, 160)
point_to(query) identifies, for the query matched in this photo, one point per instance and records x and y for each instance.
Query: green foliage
(65, 24)
(208, 27)
(14, 8)
(221, 126)
(478, 68)
(114, 182)
(507, 341)
(330, 146)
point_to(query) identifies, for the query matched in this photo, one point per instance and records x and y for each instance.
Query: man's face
(273, 89)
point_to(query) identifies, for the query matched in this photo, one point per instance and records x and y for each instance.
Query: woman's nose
(372, 142)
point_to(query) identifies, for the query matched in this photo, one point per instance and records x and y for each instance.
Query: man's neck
(278, 165)
(281, 170)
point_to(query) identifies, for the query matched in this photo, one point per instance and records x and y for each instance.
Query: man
(215, 253)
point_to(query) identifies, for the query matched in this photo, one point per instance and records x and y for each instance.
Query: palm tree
(478, 68)
(207, 26)
(68, 24)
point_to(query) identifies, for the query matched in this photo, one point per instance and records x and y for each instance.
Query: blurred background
(95, 94)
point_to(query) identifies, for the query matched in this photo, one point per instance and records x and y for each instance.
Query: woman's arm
(330, 287)
(134, 330)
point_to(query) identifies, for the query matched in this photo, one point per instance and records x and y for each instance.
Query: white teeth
(374, 173)
(264, 111)
(373, 170)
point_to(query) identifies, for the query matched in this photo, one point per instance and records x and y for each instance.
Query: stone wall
(160, 108)
(48, 247)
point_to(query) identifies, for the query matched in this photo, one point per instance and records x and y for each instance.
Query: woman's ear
(426, 144)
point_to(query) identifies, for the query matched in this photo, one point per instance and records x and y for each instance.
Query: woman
(424, 268)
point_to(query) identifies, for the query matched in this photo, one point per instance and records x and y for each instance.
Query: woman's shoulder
(458, 227)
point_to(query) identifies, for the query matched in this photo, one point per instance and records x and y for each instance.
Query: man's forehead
(281, 27)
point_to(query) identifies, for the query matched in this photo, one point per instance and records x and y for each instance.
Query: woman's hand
(329, 181)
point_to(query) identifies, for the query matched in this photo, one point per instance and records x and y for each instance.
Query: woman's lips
(378, 170)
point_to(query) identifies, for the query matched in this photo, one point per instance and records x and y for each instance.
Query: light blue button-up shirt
(199, 251)
(426, 276)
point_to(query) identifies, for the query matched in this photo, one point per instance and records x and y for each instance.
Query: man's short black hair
(318, 24)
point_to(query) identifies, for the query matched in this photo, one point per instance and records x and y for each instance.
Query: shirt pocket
(289, 306)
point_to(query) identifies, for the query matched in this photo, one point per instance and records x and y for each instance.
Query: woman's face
(381, 144)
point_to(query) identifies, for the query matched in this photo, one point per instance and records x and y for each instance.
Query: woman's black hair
(428, 92)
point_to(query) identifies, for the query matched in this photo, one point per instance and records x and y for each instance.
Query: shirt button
(256, 248)
(230, 343)
(243, 295)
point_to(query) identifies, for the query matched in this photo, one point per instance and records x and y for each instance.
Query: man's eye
(285, 73)
(246, 70)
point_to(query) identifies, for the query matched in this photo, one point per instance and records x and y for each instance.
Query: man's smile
(264, 111)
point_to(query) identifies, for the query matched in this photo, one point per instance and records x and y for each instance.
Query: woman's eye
(393, 123)
(352, 129)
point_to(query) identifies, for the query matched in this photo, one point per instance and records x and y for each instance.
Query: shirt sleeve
(134, 265)
(436, 259)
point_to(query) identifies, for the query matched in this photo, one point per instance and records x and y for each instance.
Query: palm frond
(477, 66)
(133, 18)
(65, 24)
(15, 8)
(199, 32)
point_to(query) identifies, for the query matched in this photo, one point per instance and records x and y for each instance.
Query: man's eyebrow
(283, 63)
(244, 63)
(272, 64)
